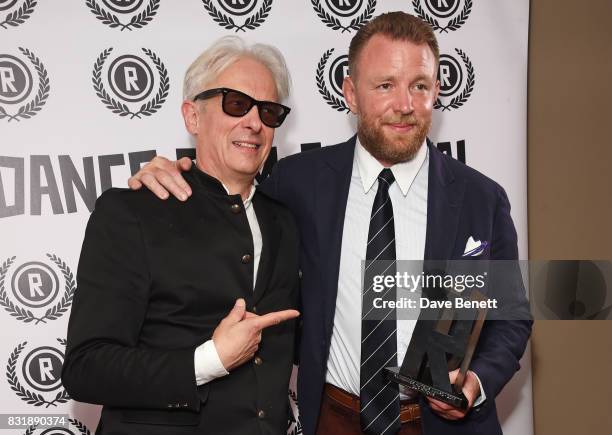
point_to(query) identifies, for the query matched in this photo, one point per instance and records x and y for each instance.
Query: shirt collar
(404, 172)
(208, 179)
(247, 202)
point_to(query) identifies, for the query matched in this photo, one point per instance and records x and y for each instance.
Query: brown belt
(409, 409)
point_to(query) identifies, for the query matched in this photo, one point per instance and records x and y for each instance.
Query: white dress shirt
(207, 364)
(409, 198)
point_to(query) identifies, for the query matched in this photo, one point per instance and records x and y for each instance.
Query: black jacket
(154, 280)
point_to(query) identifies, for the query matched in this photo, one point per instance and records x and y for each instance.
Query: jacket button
(235, 208)
(258, 361)
(300, 273)
(254, 309)
(246, 258)
(261, 414)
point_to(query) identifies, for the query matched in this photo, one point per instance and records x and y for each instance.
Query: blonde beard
(376, 142)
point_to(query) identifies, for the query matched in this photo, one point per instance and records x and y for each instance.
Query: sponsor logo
(331, 71)
(132, 81)
(238, 15)
(124, 14)
(40, 369)
(443, 15)
(344, 15)
(457, 79)
(36, 292)
(24, 85)
(17, 12)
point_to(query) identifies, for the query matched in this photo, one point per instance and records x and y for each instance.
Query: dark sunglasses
(236, 103)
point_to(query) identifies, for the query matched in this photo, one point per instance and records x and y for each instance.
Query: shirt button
(261, 414)
(300, 273)
(258, 361)
(254, 309)
(235, 208)
(246, 258)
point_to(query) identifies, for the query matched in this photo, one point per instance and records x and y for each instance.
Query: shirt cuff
(480, 400)
(207, 364)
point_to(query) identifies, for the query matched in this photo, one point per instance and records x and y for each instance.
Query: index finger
(173, 182)
(275, 318)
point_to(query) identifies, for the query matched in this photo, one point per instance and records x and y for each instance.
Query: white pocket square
(473, 248)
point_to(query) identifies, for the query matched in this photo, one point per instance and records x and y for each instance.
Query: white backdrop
(60, 145)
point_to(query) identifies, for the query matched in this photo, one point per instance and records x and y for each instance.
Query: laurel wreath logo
(19, 16)
(460, 99)
(452, 25)
(120, 108)
(137, 21)
(331, 99)
(228, 23)
(52, 313)
(335, 24)
(34, 106)
(76, 423)
(31, 398)
(297, 429)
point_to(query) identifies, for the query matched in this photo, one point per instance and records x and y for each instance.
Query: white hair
(224, 52)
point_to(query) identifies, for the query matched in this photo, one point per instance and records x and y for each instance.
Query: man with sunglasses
(183, 321)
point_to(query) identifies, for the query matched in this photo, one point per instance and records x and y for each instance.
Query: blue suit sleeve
(502, 342)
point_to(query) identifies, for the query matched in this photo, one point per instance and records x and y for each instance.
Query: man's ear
(348, 89)
(190, 116)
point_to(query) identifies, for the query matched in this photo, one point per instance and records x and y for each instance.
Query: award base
(457, 400)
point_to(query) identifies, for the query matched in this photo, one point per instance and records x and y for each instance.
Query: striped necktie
(379, 398)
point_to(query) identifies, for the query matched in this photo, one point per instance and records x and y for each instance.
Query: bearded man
(386, 193)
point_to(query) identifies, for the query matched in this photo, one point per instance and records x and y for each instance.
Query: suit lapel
(444, 200)
(333, 177)
(270, 234)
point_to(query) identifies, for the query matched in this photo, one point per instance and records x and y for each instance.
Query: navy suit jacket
(461, 203)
